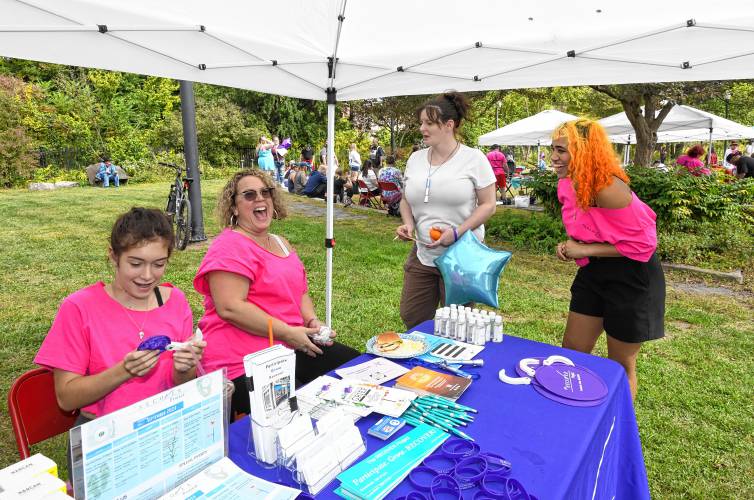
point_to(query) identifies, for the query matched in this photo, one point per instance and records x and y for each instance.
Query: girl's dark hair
(138, 226)
(366, 167)
(448, 106)
(695, 151)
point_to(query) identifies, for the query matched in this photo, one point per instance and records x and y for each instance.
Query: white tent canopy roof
(391, 47)
(534, 130)
(682, 124)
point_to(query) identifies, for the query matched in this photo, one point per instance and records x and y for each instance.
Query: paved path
(316, 208)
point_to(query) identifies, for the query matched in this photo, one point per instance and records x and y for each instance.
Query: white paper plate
(400, 353)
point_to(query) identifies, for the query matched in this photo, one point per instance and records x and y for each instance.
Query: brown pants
(423, 290)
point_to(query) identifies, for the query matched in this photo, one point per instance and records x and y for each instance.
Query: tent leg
(709, 149)
(330, 201)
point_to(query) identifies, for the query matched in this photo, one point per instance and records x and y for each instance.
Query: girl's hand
(184, 360)
(446, 239)
(139, 363)
(560, 252)
(405, 232)
(299, 340)
(574, 250)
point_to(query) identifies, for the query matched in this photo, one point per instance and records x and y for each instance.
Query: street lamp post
(497, 114)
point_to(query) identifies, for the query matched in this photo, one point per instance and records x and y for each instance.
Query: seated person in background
(290, 174)
(300, 178)
(369, 177)
(316, 186)
(250, 276)
(744, 164)
(91, 346)
(307, 156)
(389, 173)
(691, 162)
(711, 158)
(342, 186)
(108, 172)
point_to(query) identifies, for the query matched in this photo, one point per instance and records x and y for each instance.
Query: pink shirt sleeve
(66, 346)
(226, 257)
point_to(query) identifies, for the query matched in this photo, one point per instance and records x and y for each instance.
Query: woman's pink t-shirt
(693, 165)
(92, 332)
(630, 229)
(276, 285)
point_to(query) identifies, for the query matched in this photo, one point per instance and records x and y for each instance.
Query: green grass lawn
(696, 399)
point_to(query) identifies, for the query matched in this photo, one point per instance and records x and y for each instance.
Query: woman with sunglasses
(619, 287)
(250, 276)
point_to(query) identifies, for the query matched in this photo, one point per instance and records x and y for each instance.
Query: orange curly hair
(593, 159)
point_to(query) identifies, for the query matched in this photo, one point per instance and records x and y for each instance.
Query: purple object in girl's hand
(154, 343)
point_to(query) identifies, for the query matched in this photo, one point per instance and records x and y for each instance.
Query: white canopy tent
(534, 130)
(682, 124)
(343, 50)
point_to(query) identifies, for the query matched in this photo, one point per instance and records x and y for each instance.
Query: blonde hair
(593, 159)
(226, 202)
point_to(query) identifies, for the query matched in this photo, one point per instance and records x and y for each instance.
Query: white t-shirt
(370, 180)
(354, 159)
(452, 194)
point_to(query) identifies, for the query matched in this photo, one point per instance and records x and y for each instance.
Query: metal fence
(69, 158)
(74, 158)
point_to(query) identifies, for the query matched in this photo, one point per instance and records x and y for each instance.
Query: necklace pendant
(141, 335)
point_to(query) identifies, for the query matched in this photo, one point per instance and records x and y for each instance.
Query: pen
(441, 418)
(430, 420)
(416, 422)
(461, 434)
(452, 404)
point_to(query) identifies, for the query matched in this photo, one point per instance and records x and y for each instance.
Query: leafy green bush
(529, 230)
(16, 158)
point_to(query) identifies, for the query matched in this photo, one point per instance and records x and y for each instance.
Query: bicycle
(178, 207)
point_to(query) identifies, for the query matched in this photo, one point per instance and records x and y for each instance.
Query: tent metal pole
(536, 161)
(329, 242)
(709, 149)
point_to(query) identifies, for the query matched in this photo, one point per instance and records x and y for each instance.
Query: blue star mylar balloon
(471, 271)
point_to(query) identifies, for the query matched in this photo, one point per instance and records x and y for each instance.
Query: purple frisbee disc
(572, 382)
(566, 401)
(155, 343)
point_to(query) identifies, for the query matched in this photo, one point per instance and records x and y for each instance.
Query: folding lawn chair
(366, 198)
(390, 202)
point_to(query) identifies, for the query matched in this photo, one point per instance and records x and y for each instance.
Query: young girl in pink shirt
(620, 286)
(91, 346)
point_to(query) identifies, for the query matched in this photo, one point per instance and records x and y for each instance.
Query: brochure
(375, 371)
(377, 475)
(424, 381)
(310, 400)
(226, 480)
(272, 374)
(147, 449)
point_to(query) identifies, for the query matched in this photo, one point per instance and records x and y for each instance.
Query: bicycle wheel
(183, 224)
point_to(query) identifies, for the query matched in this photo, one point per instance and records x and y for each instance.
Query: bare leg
(582, 332)
(625, 353)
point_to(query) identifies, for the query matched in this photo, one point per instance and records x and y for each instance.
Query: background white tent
(534, 130)
(682, 124)
(342, 50)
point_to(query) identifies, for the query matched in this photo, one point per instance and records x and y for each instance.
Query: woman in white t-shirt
(448, 186)
(369, 177)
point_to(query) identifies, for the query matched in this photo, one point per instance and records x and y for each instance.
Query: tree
(396, 114)
(16, 159)
(647, 105)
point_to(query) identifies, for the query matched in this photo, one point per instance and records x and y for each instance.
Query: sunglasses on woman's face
(253, 194)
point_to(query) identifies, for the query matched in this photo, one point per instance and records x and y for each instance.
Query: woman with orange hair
(620, 286)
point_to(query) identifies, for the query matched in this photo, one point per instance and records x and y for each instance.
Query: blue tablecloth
(557, 451)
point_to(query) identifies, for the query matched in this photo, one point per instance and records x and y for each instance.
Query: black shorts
(629, 295)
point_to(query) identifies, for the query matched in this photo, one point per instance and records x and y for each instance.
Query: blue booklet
(377, 475)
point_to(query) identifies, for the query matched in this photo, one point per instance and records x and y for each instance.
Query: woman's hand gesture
(139, 363)
(405, 232)
(186, 359)
(298, 338)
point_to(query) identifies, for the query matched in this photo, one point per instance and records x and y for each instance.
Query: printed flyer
(149, 448)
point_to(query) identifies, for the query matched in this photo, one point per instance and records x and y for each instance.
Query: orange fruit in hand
(435, 234)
